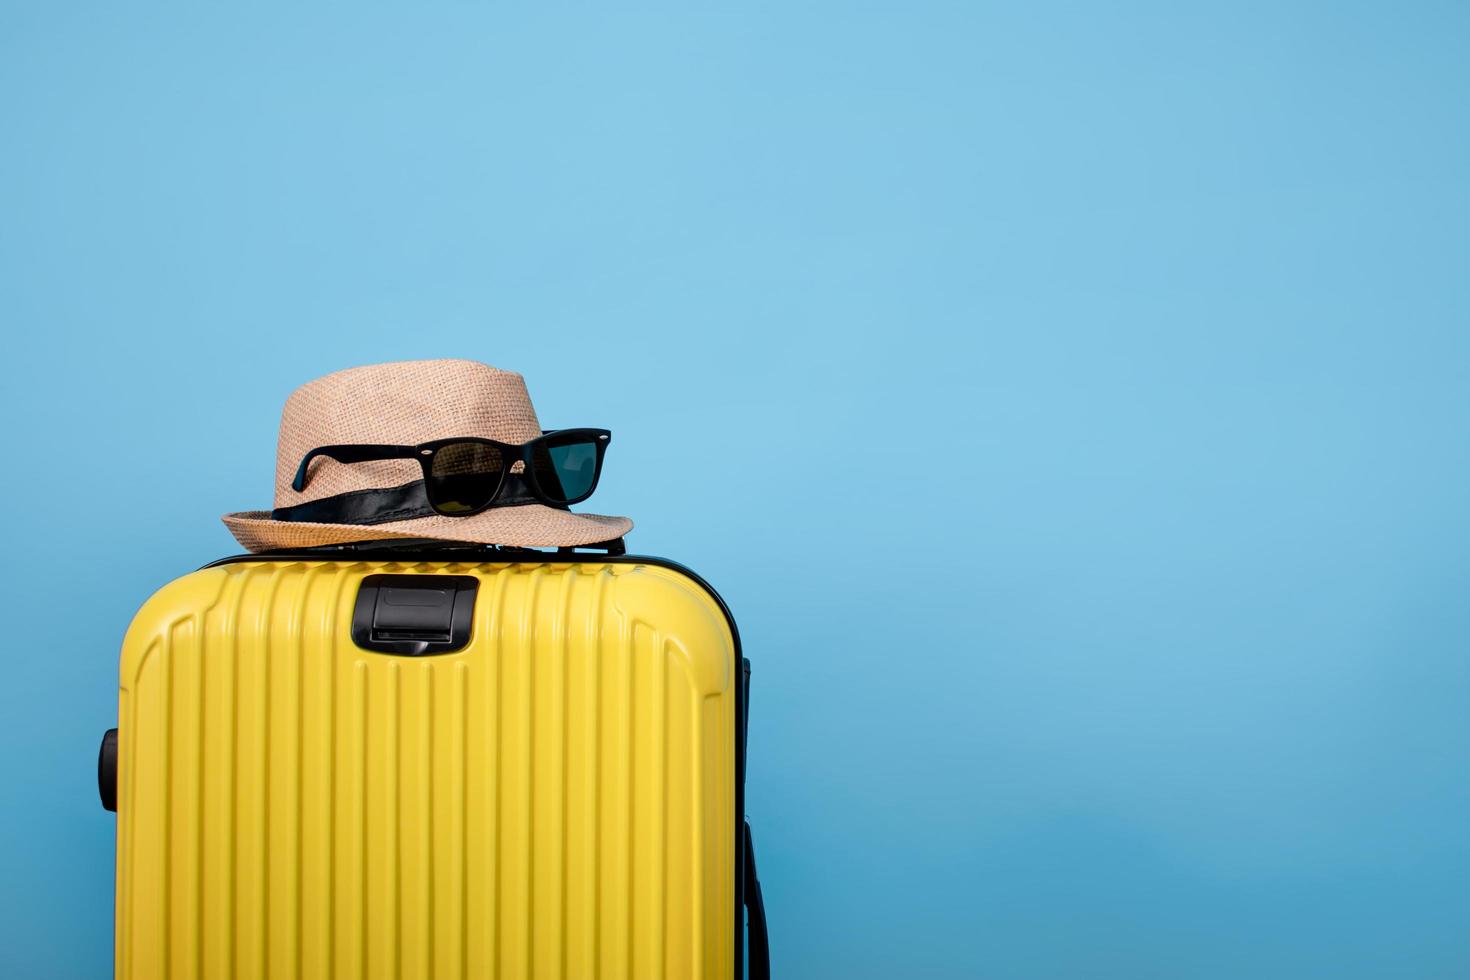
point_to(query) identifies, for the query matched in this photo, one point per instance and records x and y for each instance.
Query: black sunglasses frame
(510, 454)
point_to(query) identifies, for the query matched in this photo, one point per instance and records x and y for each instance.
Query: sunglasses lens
(566, 468)
(464, 476)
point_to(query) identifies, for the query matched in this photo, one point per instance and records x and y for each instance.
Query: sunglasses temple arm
(350, 454)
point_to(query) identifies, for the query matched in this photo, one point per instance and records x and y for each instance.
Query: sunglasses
(463, 476)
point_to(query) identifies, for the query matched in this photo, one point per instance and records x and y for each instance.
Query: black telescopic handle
(760, 942)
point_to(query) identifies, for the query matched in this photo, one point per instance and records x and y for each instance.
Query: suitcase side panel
(555, 800)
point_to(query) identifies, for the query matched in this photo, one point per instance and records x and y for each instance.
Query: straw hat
(407, 403)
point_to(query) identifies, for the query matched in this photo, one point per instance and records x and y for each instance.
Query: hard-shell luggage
(359, 764)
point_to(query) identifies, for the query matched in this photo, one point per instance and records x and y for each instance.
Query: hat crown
(399, 403)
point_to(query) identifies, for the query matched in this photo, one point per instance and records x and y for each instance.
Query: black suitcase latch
(414, 615)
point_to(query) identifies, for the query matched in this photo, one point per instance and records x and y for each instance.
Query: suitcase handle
(760, 942)
(107, 770)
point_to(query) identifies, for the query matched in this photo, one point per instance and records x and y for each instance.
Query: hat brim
(524, 526)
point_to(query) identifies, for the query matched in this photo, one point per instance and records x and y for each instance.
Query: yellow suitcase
(369, 765)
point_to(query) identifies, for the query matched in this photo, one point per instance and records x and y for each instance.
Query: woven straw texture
(406, 403)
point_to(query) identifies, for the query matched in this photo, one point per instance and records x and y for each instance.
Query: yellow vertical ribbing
(555, 800)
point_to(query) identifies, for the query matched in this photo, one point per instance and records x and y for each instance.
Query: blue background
(1070, 400)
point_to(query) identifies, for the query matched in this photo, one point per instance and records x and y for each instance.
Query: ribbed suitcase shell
(557, 799)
